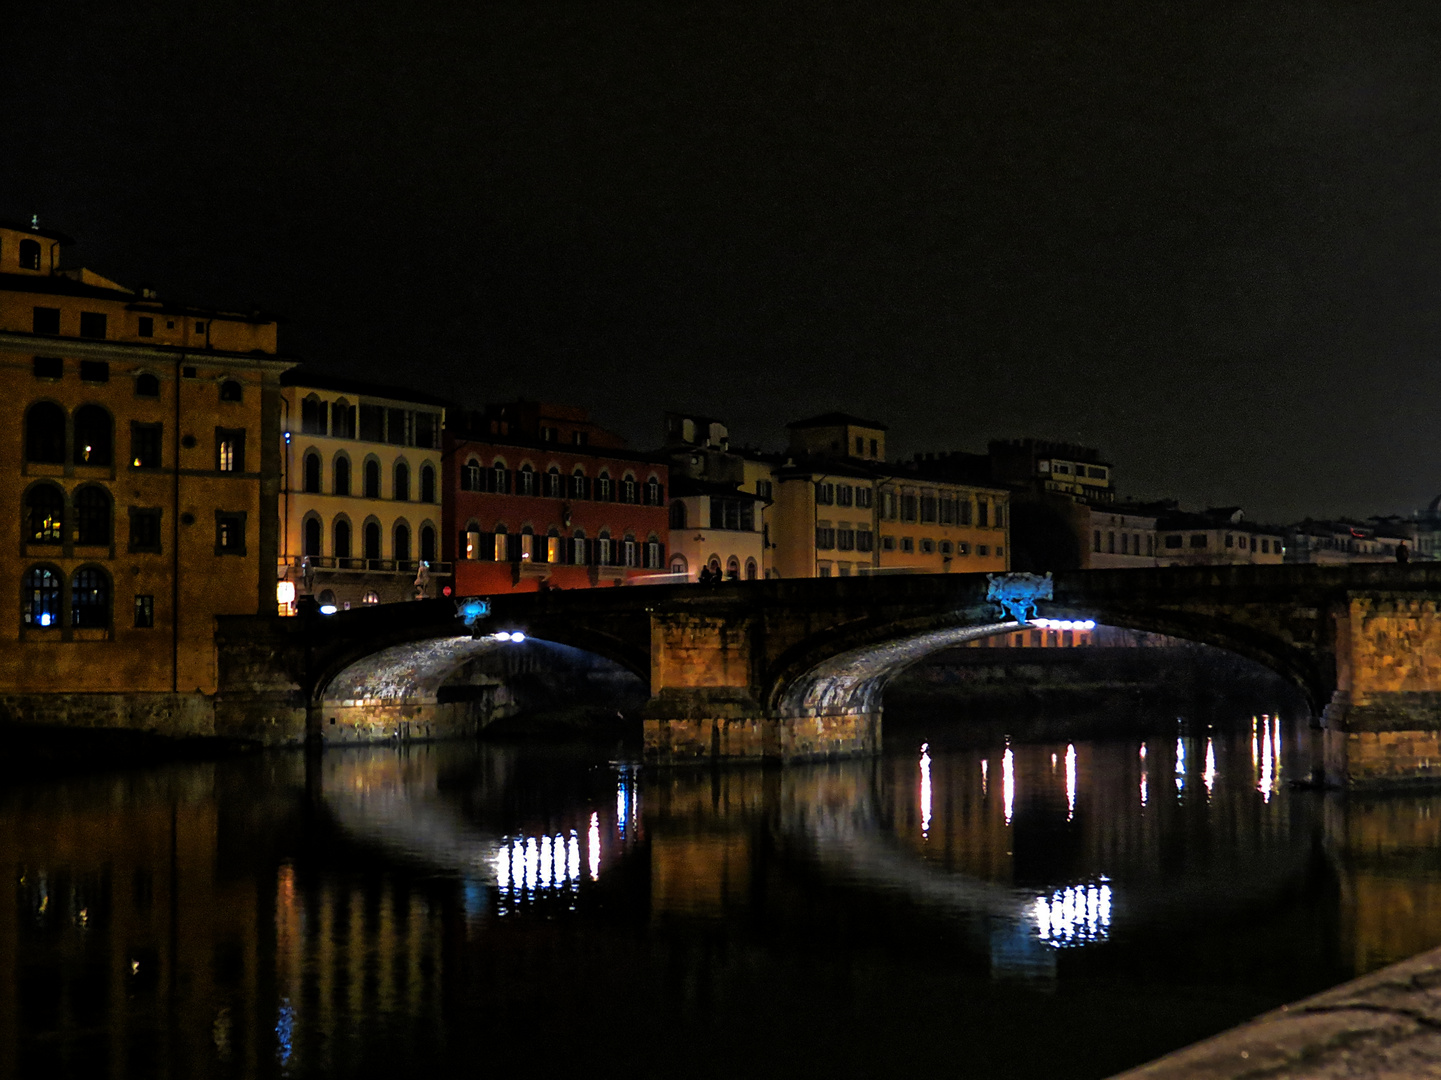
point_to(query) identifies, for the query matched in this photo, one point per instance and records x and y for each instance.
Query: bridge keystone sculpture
(1016, 594)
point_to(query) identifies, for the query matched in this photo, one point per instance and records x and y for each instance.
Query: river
(983, 905)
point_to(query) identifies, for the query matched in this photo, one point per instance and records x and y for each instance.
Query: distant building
(1120, 535)
(1065, 469)
(1216, 537)
(717, 516)
(1338, 542)
(538, 496)
(841, 509)
(360, 503)
(142, 436)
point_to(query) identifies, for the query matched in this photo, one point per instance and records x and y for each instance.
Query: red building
(538, 495)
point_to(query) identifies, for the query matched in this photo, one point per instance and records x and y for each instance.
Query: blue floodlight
(327, 609)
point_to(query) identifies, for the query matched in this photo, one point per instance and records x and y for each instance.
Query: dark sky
(1202, 236)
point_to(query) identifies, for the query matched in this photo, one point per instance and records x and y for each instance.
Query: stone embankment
(1383, 1025)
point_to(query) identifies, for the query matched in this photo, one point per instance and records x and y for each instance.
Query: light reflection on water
(384, 910)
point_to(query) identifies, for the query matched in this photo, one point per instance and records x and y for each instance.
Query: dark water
(1008, 910)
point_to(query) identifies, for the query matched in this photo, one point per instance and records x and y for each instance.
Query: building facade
(540, 497)
(1215, 537)
(717, 518)
(1339, 542)
(1120, 536)
(144, 439)
(361, 492)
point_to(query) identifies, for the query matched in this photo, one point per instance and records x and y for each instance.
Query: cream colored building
(717, 515)
(361, 491)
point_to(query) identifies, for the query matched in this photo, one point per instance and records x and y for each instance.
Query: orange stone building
(141, 438)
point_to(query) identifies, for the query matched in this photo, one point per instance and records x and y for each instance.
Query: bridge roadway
(792, 670)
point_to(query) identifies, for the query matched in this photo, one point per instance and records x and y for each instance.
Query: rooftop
(836, 419)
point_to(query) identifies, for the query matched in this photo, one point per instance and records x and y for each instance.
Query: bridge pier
(719, 729)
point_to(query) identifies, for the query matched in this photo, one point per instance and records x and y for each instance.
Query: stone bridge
(794, 669)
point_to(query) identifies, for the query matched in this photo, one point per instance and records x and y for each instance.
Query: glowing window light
(1075, 915)
(622, 803)
(1210, 774)
(1143, 774)
(925, 790)
(1070, 781)
(592, 842)
(1008, 782)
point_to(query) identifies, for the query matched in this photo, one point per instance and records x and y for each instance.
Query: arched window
(427, 543)
(340, 475)
(654, 553)
(629, 551)
(525, 480)
(470, 476)
(677, 515)
(40, 599)
(750, 569)
(628, 490)
(578, 552)
(499, 478)
(714, 564)
(553, 547)
(553, 489)
(526, 552)
(427, 483)
(604, 549)
(44, 514)
(312, 538)
(653, 492)
(147, 385)
(579, 485)
(372, 540)
(341, 532)
(230, 390)
(90, 599)
(372, 480)
(502, 544)
(93, 436)
(402, 542)
(678, 565)
(401, 490)
(342, 419)
(604, 487)
(312, 416)
(92, 515)
(45, 434)
(371, 597)
(733, 569)
(29, 255)
(326, 598)
(312, 473)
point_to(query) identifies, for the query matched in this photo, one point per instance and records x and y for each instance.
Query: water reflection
(382, 911)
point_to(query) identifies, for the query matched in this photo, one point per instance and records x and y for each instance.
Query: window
(92, 516)
(845, 538)
(401, 541)
(929, 508)
(46, 320)
(310, 542)
(946, 547)
(45, 434)
(396, 426)
(1230, 539)
(578, 552)
(372, 423)
(750, 569)
(548, 433)
(145, 529)
(427, 483)
(229, 532)
(340, 533)
(427, 543)
(604, 553)
(1110, 543)
(733, 569)
(963, 547)
(371, 597)
(1096, 541)
(653, 494)
(863, 497)
(909, 508)
(427, 430)
(629, 490)
(230, 390)
(401, 490)
(965, 511)
(604, 491)
(578, 485)
(525, 481)
(888, 543)
(499, 478)
(200, 327)
(865, 540)
(928, 547)
(90, 599)
(845, 494)
(145, 441)
(763, 488)
(874, 451)
(312, 473)
(826, 494)
(554, 486)
(1198, 540)
(823, 569)
(470, 476)
(983, 513)
(147, 326)
(1173, 541)
(825, 536)
(630, 552)
(187, 372)
(48, 367)
(44, 515)
(370, 538)
(147, 385)
(342, 420)
(340, 473)
(93, 438)
(40, 598)
(29, 254)
(908, 545)
(92, 324)
(372, 480)
(94, 371)
(230, 450)
(501, 547)
(678, 515)
(1265, 547)
(144, 612)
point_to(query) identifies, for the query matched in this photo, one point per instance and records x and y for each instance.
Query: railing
(367, 566)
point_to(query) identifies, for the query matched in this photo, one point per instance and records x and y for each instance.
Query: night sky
(1203, 236)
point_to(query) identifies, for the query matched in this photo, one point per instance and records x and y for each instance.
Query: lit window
(41, 598)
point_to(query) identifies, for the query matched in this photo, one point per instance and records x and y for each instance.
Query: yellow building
(842, 510)
(360, 501)
(143, 439)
